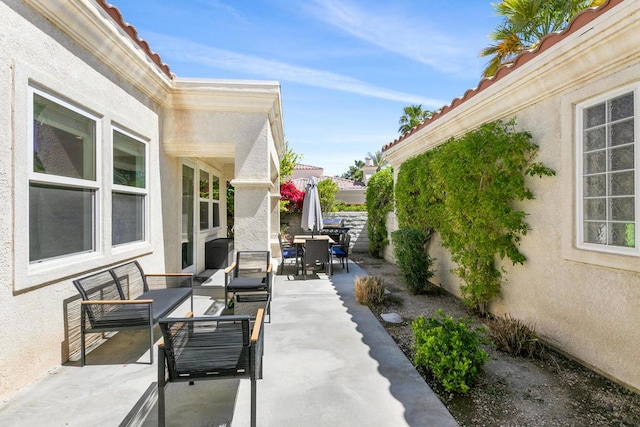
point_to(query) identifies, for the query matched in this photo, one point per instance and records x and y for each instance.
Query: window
(128, 209)
(205, 192)
(63, 180)
(607, 179)
(215, 196)
(209, 201)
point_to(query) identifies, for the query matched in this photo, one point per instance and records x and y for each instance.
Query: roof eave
(92, 26)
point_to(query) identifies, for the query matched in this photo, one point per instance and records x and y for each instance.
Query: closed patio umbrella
(311, 210)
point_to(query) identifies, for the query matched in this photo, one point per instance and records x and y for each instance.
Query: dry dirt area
(510, 391)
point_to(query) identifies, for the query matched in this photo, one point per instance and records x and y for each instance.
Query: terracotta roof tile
(116, 15)
(580, 20)
(300, 166)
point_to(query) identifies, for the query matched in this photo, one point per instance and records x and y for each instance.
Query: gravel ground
(511, 391)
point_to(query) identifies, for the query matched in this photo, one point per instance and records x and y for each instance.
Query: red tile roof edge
(300, 166)
(116, 15)
(579, 20)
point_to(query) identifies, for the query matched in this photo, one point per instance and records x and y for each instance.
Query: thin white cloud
(217, 5)
(177, 49)
(395, 31)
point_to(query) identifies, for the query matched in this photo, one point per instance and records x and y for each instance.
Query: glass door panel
(188, 177)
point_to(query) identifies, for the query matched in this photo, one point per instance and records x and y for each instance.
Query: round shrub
(449, 349)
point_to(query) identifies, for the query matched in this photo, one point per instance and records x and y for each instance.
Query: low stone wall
(355, 221)
(357, 224)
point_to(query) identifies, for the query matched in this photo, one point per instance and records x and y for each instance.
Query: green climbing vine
(379, 200)
(465, 191)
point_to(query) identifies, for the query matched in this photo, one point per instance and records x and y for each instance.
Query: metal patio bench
(121, 298)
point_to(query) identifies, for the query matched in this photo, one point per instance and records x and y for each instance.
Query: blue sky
(347, 68)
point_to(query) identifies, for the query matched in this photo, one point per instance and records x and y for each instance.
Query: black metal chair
(210, 348)
(316, 253)
(250, 272)
(289, 253)
(341, 251)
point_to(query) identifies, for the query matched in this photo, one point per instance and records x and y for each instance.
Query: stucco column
(252, 224)
(252, 184)
(275, 223)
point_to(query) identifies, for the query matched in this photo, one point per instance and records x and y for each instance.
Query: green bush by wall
(414, 262)
(465, 190)
(379, 198)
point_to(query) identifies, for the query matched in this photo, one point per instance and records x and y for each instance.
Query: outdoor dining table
(300, 239)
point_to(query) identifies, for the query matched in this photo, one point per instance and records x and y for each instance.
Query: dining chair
(316, 253)
(341, 251)
(289, 253)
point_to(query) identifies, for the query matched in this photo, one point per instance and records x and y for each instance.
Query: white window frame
(211, 202)
(580, 168)
(215, 202)
(205, 200)
(49, 179)
(117, 188)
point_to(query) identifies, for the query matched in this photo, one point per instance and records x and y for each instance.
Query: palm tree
(412, 117)
(377, 160)
(525, 23)
(355, 172)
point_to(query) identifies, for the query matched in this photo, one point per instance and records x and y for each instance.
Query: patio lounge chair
(210, 348)
(251, 272)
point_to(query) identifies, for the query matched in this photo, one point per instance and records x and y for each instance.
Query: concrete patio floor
(327, 362)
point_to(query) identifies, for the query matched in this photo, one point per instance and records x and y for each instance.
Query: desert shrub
(449, 349)
(515, 337)
(369, 290)
(414, 262)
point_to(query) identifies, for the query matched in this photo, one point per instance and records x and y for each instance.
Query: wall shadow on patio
(422, 406)
(206, 403)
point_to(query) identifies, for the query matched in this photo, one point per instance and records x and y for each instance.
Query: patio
(327, 362)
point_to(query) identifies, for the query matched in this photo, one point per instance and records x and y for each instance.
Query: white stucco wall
(239, 123)
(246, 140)
(231, 129)
(33, 53)
(585, 303)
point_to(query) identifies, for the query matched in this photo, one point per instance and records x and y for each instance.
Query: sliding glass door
(188, 211)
